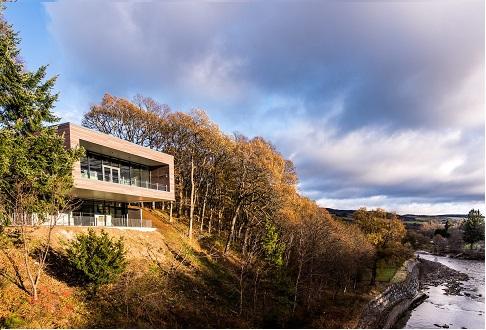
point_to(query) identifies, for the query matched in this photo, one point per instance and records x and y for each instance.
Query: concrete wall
(384, 310)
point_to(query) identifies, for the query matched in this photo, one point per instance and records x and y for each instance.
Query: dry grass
(171, 281)
(171, 271)
(58, 305)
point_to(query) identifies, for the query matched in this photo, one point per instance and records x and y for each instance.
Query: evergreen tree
(97, 259)
(473, 227)
(35, 167)
(26, 98)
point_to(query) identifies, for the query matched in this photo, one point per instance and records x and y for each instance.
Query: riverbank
(475, 254)
(407, 292)
(455, 290)
(384, 310)
(434, 274)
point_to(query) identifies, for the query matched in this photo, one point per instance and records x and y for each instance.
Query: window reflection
(99, 167)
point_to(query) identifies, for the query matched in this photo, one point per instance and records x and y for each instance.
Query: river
(456, 312)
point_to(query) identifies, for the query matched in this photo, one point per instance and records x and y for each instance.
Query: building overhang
(101, 190)
(109, 145)
(106, 151)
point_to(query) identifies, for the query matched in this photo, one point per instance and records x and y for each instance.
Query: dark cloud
(327, 72)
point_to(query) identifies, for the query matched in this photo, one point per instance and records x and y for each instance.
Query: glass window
(108, 169)
(86, 208)
(135, 175)
(95, 169)
(124, 173)
(115, 175)
(105, 161)
(99, 208)
(145, 177)
(115, 163)
(84, 167)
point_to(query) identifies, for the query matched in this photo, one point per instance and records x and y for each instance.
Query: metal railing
(79, 220)
(110, 222)
(33, 220)
(126, 181)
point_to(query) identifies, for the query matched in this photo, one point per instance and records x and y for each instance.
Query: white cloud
(367, 98)
(401, 206)
(435, 166)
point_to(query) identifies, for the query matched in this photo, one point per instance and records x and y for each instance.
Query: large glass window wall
(100, 167)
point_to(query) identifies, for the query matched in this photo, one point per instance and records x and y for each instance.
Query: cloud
(402, 205)
(368, 98)
(445, 166)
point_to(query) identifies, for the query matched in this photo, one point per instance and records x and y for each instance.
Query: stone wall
(384, 310)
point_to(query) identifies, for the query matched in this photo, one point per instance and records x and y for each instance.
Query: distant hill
(410, 220)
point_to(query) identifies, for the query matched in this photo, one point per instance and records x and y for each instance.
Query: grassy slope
(192, 281)
(170, 282)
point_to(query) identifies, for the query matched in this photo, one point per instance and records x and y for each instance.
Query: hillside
(410, 220)
(170, 282)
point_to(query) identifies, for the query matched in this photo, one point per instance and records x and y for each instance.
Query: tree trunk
(245, 240)
(191, 214)
(220, 215)
(301, 264)
(239, 231)
(210, 220)
(255, 289)
(34, 293)
(242, 271)
(373, 272)
(204, 206)
(289, 248)
(297, 285)
(232, 230)
(181, 200)
(170, 212)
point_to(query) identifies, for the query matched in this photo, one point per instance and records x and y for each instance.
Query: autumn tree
(249, 181)
(384, 231)
(246, 190)
(323, 255)
(138, 122)
(455, 241)
(192, 138)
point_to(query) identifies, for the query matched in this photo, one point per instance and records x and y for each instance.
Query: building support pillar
(170, 212)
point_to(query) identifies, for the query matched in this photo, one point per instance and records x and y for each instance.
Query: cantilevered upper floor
(118, 170)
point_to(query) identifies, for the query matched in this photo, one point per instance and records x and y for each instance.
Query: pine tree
(474, 227)
(35, 167)
(26, 98)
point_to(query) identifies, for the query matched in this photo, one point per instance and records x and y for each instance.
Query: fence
(81, 220)
(110, 222)
(124, 222)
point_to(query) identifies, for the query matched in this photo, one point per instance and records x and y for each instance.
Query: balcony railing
(113, 222)
(80, 220)
(126, 181)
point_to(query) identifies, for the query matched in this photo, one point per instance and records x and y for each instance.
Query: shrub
(11, 322)
(97, 259)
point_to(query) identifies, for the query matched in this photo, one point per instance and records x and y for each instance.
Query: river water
(454, 311)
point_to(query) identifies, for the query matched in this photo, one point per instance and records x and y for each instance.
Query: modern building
(112, 174)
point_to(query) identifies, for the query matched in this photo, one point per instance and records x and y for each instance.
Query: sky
(377, 103)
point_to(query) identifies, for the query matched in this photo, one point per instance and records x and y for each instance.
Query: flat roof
(110, 145)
